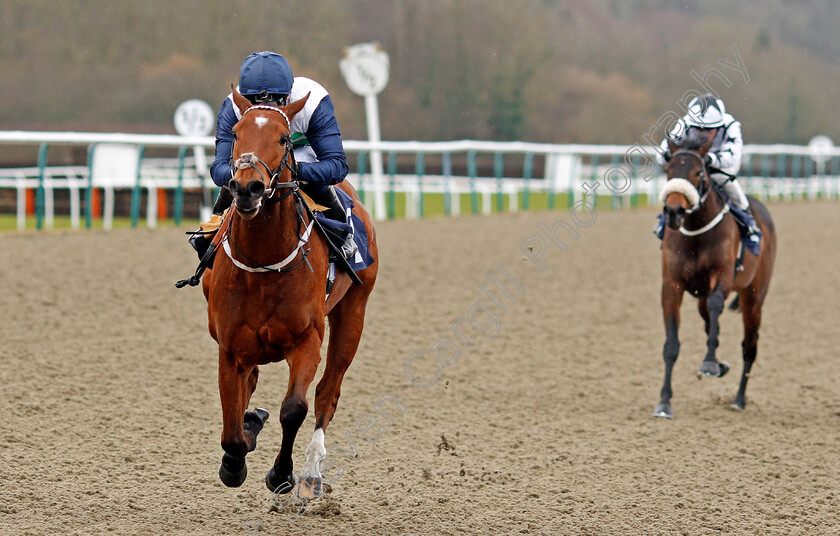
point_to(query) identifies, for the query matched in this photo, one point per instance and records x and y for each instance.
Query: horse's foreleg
(751, 310)
(710, 365)
(346, 322)
(303, 363)
(703, 308)
(239, 427)
(671, 299)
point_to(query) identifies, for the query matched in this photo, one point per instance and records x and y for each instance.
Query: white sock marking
(315, 452)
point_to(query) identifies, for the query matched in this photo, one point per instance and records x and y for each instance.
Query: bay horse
(699, 253)
(266, 301)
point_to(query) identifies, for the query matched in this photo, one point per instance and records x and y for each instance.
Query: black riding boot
(329, 199)
(201, 241)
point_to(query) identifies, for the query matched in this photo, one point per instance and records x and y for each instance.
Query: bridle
(703, 190)
(271, 176)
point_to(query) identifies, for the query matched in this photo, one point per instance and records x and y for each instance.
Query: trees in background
(539, 70)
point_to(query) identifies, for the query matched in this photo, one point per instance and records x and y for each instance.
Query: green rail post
(527, 171)
(89, 192)
(179, 191)
(446, 164)
(552, 186)
(746, 175)
(362, 170)
(634, 196)
(392, 171)
(472, 172)
(420, 170)
(135, 193)
(781, 171)
(765, 173)
(499, 171)
(615, 200)
(40, 193)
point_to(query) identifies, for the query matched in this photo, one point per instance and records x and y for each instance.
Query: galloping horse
(266, 300)
(699, 253)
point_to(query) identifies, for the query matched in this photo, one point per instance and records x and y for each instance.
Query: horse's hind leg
(751, 311)
(239, 427)
(303, 363)
(346, 323)
(710, 365)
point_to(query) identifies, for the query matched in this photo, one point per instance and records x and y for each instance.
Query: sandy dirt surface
(542, 425)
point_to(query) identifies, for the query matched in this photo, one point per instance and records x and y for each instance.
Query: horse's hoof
(738, 405)
(232, 476)
(279, 484)
(254, 420)
(713, 368)
(256, 416)
(310, 488)
(663, 410)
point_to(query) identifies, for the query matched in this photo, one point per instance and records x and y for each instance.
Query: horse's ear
(293, 108)
(704, 148)
(672, 147)
(241, 102)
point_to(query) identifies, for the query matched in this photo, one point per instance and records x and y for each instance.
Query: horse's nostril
(256, 188)
(233, 186)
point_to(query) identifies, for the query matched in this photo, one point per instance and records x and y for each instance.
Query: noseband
(251, 160)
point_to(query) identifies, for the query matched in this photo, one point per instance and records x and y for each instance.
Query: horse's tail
(735, 304)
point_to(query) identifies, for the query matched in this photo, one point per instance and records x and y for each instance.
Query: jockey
(266, 78)
(724, 157)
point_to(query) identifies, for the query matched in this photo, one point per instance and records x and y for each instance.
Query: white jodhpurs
(733, 190)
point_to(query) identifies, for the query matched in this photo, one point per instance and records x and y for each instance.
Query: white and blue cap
(265, 73)
(705, 111)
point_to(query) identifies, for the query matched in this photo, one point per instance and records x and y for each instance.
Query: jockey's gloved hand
(711, 160)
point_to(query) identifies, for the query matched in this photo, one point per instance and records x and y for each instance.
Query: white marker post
(195, 117)
(365, 69)
(821, 147)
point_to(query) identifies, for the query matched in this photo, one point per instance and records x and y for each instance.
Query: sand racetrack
(111, 416)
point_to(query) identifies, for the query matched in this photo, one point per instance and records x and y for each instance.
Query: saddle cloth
(362, 259)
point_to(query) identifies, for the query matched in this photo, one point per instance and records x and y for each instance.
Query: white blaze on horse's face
(260, 121)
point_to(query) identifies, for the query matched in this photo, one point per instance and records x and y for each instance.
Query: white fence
(421, 178)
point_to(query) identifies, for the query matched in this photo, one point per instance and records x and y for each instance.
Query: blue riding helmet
(266, 73)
